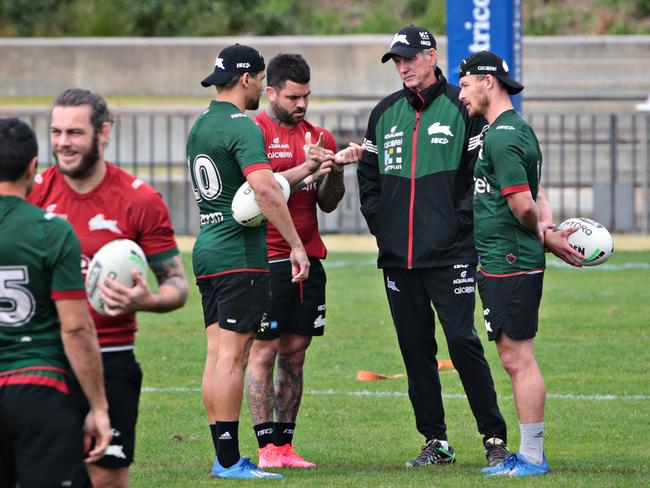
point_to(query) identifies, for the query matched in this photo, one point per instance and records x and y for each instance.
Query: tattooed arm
(171, 293)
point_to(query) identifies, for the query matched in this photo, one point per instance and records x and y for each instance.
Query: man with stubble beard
(297, 310)
(104, 203)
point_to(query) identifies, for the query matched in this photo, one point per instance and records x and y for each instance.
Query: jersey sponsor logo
(38, 179)
(319, 322)
(391, 284)
(511, 258)
(463, 280)
(393, 150)
(211, 218)
(399, 38)
(393, 159)
(464, 290)
(392, 134)
(276, 140)
(137, 183)
(237, 116)
(99, 222)
(280, 155)
(481, 185)
(438, 128)
(504, 127)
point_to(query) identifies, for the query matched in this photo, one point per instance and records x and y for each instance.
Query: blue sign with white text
(490, 25)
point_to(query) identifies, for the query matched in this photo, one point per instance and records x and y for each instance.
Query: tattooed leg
(289, 377)
(259, 380)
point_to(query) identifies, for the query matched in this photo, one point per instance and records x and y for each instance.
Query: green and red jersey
(509, 162)
(224, 146)
(39, 264)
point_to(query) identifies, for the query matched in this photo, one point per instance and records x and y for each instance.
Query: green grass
(594, 340)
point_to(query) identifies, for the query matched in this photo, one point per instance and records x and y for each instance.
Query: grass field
(593, 348)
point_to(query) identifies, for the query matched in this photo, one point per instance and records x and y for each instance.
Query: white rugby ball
(592, 240)
(115, 260)
(245, 209)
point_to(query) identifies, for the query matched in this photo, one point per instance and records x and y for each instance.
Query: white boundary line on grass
(399, 394)
(551, 263)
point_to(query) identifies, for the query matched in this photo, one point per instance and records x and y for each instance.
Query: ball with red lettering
(114, 260)
(592, 240)
(245, 209)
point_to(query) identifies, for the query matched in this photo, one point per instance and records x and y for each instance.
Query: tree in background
(149, 18)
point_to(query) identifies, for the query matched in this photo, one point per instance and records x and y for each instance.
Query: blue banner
(491, 25)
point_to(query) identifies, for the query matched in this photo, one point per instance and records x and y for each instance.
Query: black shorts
(238, 301)
(41, 438)
(511, 304)
(123, 382)
(296, 308)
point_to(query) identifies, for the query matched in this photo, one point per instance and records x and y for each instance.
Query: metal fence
(595, 164)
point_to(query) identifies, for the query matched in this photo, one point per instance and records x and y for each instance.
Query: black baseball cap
(489, 63)
(233, 60)
(409, 41)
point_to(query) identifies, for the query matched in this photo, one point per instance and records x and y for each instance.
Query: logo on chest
(99, 222)
(438, 129)
(279, 150)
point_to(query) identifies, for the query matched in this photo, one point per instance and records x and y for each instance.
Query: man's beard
(88, 162)
(284, 116)
(481, 106)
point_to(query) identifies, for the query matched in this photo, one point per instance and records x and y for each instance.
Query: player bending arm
(171, 294)
(271, 202)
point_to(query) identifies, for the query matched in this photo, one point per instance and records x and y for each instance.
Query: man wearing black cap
(224, 149)
(415, 183)
(513, 224)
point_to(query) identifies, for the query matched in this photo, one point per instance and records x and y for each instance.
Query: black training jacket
(416, 177)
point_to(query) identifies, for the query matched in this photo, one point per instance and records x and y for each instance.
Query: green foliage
(29, 18)
(594, 340)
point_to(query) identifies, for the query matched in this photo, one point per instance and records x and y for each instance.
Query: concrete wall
(603, 67)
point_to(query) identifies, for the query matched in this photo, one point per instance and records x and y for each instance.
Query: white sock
(532, 442)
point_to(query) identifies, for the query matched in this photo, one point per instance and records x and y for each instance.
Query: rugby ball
(115, 260)
(245, 209)
(592, 240)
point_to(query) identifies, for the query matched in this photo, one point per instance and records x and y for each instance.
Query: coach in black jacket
(416, 187)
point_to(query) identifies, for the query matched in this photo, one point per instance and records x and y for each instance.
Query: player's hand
(97, 426)
(120, 299)
(558, 244)
(349, 155)
(542, 227)
(316, 154)
(299, 264)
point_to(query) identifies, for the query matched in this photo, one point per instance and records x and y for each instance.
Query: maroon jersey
(120, 207)
(284, 148)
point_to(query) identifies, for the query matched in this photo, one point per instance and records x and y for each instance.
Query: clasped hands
(322, 160)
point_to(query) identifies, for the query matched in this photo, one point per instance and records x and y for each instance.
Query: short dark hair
(285, 67)
(75, 97)
(18, 147)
